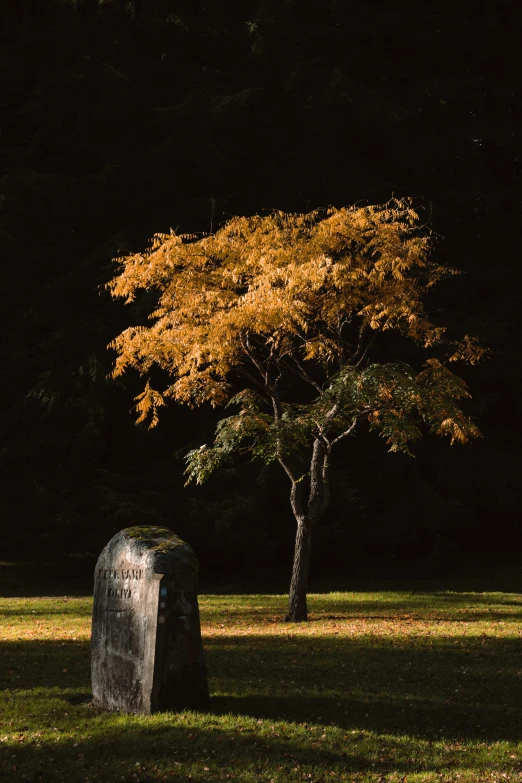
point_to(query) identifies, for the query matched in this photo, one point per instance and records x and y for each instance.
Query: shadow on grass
(216, 748)
(464, 687)
(222, 750)
(377, 692)
(67, 608)
(28, 665)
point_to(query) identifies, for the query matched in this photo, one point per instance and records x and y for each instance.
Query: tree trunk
(297, 608)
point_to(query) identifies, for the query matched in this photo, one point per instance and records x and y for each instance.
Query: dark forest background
(121, 119)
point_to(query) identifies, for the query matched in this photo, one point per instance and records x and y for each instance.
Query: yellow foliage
(264, 291)
(148, 403)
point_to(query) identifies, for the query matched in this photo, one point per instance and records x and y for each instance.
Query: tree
(285, 301)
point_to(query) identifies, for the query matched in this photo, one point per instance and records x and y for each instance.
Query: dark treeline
(120, 119)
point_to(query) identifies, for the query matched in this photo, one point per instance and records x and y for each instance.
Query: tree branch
(367, 349)
(297, 498)
(325, 474)
(361, 352)
(253, 358)
(345, 433)
(319, 497)
(252, 378)
(300, 371)
(321, 428)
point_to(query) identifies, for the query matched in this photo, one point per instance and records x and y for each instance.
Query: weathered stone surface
(147, 654)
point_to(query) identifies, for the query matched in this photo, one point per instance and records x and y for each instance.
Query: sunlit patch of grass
(389, 686)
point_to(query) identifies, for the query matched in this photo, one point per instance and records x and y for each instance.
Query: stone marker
(147, 654)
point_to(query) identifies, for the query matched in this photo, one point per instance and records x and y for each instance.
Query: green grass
(378, 686)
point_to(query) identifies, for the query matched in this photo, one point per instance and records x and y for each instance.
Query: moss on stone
(157, 539)
(149, 532)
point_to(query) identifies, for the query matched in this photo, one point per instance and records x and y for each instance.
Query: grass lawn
(378, 686)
